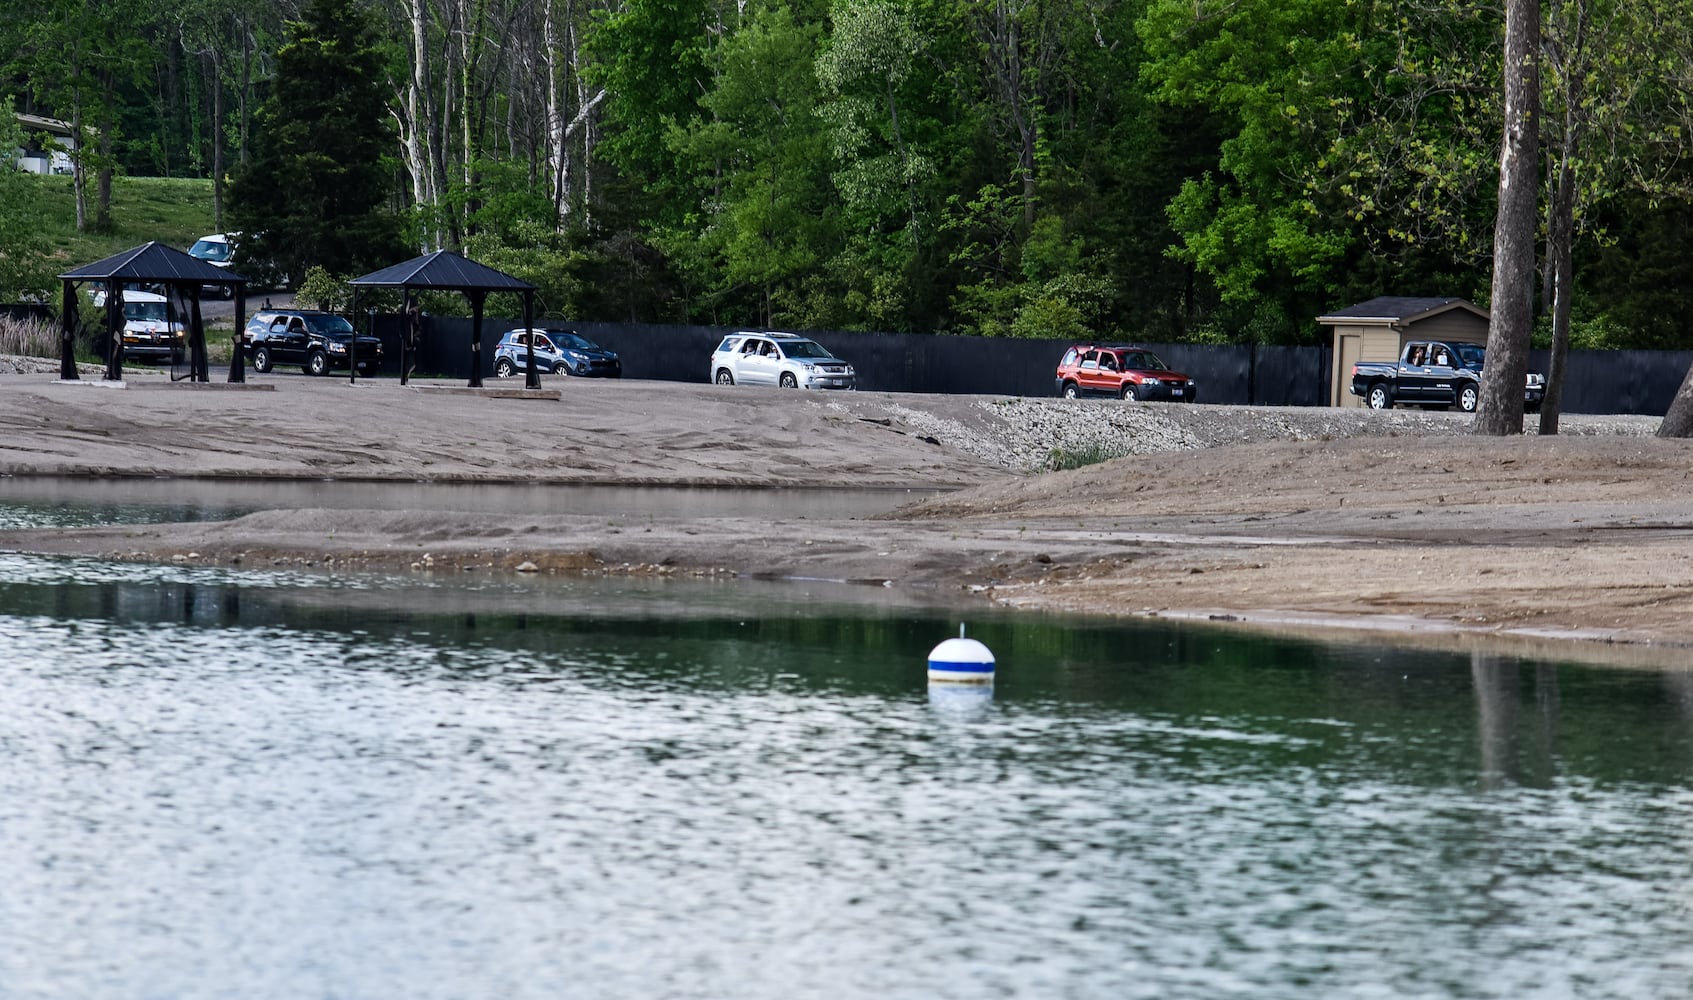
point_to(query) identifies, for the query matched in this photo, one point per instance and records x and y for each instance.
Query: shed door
(1347, 351)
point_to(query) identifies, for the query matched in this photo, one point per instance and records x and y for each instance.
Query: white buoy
(961, 661)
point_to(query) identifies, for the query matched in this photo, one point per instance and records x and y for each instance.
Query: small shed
(1378, 329)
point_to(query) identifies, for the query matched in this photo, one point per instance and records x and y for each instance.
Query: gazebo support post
(532, 380)
(114, 331)
(68, 322)
(196, 339)
(353, 345)
(408, 336)
(238, 356)
(478, 298)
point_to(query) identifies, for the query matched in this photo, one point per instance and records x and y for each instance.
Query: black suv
(319, 342)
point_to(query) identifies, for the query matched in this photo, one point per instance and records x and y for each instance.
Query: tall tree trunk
(79, 155)
(217, 140)
(558, 150)
(1511, 319)
(1560, 262)
(1571, 61)
(1678, 419)
(108, 128)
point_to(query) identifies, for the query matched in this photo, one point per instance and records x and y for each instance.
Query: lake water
(223, 784)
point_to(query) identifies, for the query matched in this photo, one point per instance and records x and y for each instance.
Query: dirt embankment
(1397, 522)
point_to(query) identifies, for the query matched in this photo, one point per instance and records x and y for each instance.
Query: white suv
(781, 359)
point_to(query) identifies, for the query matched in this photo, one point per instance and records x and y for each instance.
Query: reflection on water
(42, 501)
(222, 784)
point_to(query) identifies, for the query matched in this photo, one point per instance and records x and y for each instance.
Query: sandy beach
(1393, 526)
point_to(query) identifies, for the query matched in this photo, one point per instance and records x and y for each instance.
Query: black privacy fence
(1598, 381)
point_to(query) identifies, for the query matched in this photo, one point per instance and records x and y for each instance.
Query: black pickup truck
(1434, 373)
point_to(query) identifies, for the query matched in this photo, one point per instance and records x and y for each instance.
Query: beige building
(1377, 330)
(48, 145)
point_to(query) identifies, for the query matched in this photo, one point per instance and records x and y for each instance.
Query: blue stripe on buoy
(962, 667)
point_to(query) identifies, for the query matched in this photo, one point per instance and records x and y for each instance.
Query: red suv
(1123, 371)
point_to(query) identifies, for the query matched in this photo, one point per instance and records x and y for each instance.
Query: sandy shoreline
(1373, 525)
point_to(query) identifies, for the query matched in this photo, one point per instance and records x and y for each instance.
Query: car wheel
(1379, 398)
(1070, 390)
(503, 368)
(261, 360)
(226, 292)
(725, 377)
(788, 381)
(317, 363)
(1129, 391)
(1468, 397)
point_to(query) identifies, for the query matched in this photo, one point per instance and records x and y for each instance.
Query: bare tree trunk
(1561, 263)
(79, 155)
(244, 92)
(1511, 318)
(1568, 63)
(558, 153)
(108, 128)
(217, 139)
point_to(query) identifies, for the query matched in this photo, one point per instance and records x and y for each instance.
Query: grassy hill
(175, 211)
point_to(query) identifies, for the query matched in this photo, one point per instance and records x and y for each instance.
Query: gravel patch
(1027, 434)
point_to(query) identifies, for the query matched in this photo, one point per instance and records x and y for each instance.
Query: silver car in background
(786, 360)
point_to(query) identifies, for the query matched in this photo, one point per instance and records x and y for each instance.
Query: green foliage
(1162, 169)
(765, 212)
(539, 255)
(316, 189)
(322, 290)
(1271, 70)
(25, 272)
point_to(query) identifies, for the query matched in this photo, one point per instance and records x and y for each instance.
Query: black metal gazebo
(445, 270)
(149, 264)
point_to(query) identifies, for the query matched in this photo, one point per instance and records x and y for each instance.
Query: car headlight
(335, 348)
(1149, 380)
(576, 356)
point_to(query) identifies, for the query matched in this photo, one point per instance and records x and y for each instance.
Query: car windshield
(330, 326)
(144, 310)
(804, 349)
(571, 341)
(210, 250)
(1473, 354)
(1144, 361)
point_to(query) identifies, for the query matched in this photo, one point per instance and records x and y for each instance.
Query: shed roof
(43, 124)
(154, 262)
(443, 269)
(1389, 310)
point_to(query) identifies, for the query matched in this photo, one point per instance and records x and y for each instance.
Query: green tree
(764, 219)
(25, 270)
(78, 57)
(1267, 71)
(317, 186)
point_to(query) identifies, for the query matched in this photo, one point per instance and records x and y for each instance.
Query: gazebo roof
(154, 262)
(443, 269)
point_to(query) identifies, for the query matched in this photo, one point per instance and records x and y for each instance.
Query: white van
(150, 333)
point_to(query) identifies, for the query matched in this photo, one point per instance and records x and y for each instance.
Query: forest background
(1166, 170)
